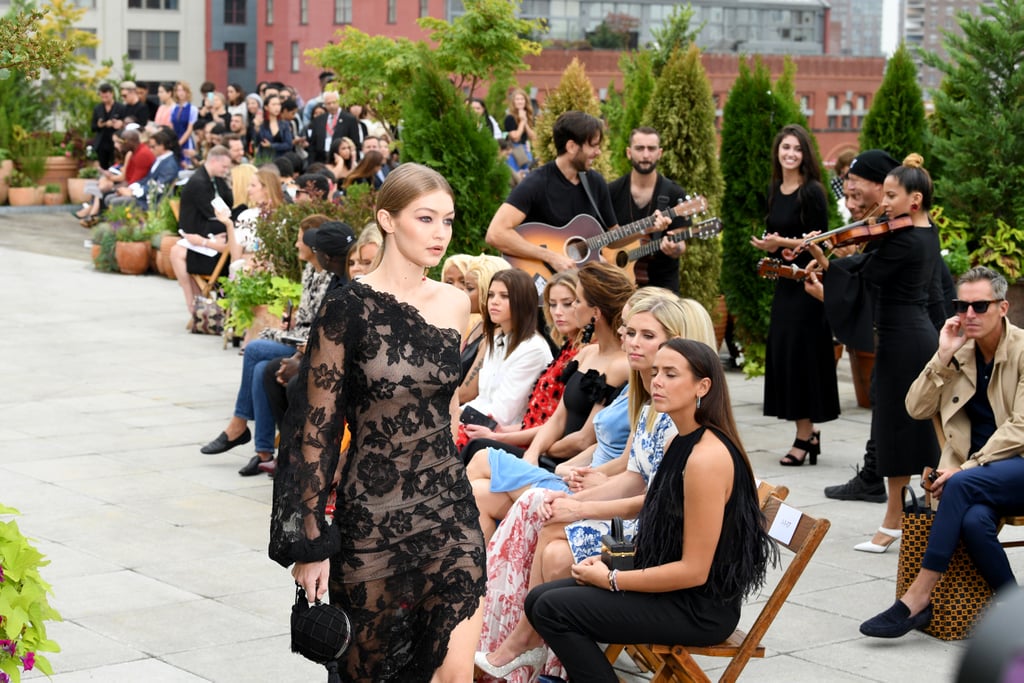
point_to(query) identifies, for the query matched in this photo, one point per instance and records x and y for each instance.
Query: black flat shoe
(252, 468)
(222, 444)
(811, 448)
(895, 621)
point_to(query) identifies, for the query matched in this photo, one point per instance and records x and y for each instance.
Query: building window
(342, 11)
(234, 12)
(270, 56)
(270, 12)
(303, 12)
(424, 8)
(392, 11)
(236, 55)
(152, 4)
(153, 46)
(295, 57)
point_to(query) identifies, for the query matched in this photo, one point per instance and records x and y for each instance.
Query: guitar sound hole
(621, 259)
(577, 249)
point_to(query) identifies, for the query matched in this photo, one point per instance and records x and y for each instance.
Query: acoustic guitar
(582, 239)
(627, 258)
(773, 269)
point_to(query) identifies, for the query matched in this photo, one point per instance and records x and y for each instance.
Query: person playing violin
(893, 279)
(800, 366)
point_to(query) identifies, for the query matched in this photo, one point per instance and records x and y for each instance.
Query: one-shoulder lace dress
(406, 551)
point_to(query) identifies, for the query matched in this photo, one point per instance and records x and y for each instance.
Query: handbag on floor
(960, 595)
(207, 316)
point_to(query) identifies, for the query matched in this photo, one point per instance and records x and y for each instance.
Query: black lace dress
(406, 551)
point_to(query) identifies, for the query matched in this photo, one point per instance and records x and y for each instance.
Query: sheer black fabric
(406, 551)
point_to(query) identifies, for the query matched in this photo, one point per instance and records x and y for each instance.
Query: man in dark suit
(336, 123)
(198, 222)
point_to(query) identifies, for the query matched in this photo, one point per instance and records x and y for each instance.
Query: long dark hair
(365, 170)
(522, 305)
(810, 168)
(744, 548)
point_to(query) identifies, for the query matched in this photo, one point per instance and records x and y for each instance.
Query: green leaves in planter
(247, 291)
(105, 261)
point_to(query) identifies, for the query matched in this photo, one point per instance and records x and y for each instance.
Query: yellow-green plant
(24, 609)
(245, 292)
(575, 92)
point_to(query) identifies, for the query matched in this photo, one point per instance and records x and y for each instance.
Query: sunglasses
(979, 307)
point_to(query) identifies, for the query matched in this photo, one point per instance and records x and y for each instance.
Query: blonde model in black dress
(404, 554)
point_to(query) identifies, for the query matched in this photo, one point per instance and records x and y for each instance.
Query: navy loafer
(895, 621)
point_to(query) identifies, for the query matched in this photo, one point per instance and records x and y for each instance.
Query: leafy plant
(1002, 250)
(105, 260)
(277, 232)
(51, 188)
(952, 242)
(896, 121)
(90, 172)
(24, 608)
(247, 291)
(30, 154)
(574, 92)
(20, 179)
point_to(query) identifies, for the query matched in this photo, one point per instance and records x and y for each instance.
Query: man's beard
(644, 169)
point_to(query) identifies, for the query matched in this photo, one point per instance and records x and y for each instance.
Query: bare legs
(804, 432)
(188, 286)
(457, 666)
(893, 510)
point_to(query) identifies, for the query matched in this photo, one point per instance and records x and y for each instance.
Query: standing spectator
(236, 100)
(165, 95)
(336, 123)
(479, 107)
(519, 123)
(183, 118)
(325, 78)
(800, 365)
(134, 108)
(107, 117)
(274, 137)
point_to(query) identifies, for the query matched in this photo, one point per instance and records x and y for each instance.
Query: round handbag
(321, 632)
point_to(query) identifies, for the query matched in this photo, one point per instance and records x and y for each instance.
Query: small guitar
(773, 269)
(703, 230)
(582, 238)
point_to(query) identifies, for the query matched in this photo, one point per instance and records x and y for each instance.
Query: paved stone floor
(158, 553)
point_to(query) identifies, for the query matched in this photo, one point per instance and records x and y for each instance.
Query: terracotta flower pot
(165, 255)
(6, 168)
(861, 364)
(76, 190)
(53, 198)
(720, 318)
(58, 171)
(132, 257)
(23, 196)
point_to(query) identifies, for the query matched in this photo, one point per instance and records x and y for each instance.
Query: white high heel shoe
(534, 659)
(871, 547)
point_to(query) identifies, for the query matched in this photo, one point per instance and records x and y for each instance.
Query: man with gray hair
(134, 108)
(972, 385)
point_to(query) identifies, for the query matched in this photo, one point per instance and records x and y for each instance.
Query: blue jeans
(972, 503)
(252, 402)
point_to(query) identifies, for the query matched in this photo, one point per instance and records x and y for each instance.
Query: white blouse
(505, 383)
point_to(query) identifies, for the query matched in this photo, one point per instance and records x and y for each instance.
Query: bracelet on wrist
(613, 584)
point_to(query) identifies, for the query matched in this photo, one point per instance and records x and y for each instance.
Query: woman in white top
(265, 196)
(514, 353)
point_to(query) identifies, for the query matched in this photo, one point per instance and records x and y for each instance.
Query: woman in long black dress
(800, 367)
(404, 555)
(894, 277)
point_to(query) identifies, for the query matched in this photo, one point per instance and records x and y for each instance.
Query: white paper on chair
(784, 526)
(198, 248)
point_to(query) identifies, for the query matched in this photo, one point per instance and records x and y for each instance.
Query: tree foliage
(483, 44)
(68, 89)
(674, 35)
(574, 93)
(25, 46)
(444, 134)
(637, 88)
(896, 121)
(682, 110)
(978, 131)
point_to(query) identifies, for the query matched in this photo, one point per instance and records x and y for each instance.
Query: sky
(890, 26)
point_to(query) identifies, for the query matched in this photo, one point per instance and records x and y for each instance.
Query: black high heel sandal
(811, 449)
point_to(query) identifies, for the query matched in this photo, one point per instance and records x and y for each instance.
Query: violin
(860, 231)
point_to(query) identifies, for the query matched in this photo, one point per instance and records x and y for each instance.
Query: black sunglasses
(979, 307)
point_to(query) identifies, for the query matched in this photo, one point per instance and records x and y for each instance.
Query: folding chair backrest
(207, 282)
(766, 490)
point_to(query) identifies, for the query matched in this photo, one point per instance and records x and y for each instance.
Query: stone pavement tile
(199, 509)
(38, 500)
(143, 487)
(253, 534)
(72, 468)
(914, 657)
(182, 626)
(82, 648)
(68, 562)
(81, 597)
(273, 604)
(790, 668)
(221, 575)
(148, 670)
(264, 659)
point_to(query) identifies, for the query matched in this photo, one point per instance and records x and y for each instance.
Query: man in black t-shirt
(134, 108)
(553, 194)
(637, 195)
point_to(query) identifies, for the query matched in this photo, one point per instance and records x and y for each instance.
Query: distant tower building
(923, 22)
(855, 28)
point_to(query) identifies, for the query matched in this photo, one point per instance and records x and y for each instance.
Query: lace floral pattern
(406, 551)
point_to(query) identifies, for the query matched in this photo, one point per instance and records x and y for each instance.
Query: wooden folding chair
(642, 655)
(206, 282)
(676, 662)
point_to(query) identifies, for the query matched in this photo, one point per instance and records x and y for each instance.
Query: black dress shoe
(895, 621)
(252, 468)
(222, 444)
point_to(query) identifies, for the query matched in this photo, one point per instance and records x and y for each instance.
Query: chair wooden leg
(679, 666)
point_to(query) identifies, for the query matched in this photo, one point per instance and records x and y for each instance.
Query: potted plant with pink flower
(24, 609)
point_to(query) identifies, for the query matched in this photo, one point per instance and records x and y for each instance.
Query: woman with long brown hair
(366, 170)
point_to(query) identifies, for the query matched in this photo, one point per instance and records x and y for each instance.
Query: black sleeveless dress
(406, 550)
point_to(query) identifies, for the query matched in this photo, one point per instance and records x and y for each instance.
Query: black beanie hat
(872, 165)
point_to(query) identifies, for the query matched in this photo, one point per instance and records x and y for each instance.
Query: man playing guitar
(637, 195)
(554, 194)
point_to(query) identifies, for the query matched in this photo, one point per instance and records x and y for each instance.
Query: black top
(197, 215)
(138, 111)
(582, 390)
(978, 408)
(547, 196)
(662, 270)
